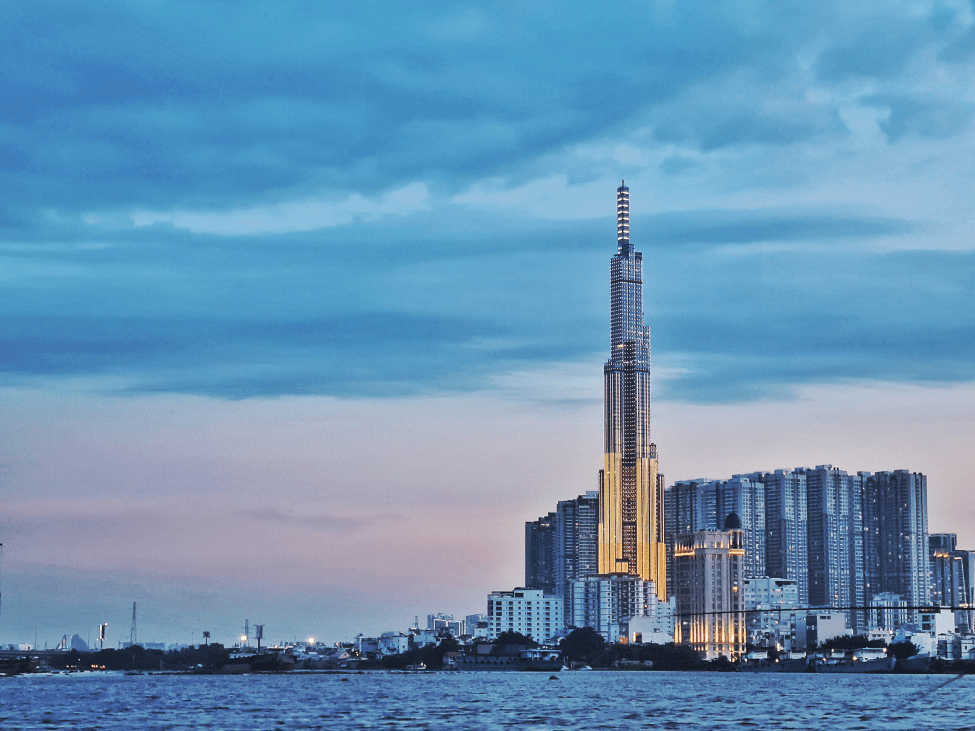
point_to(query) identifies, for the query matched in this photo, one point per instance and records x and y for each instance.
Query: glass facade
(631, 500)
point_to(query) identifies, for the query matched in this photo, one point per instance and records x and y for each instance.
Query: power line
(928, 609)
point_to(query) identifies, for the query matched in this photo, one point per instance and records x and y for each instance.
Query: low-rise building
(817, 627)
(771, 605)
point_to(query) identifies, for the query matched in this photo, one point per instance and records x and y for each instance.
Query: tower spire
(623, 218)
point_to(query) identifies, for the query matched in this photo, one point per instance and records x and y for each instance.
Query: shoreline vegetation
(215, 659)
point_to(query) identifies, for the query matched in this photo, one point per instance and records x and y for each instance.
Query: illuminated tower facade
(631, 536)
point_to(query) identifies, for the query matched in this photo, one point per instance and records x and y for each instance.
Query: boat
(537, 660)
(257, 662)
(785, 664)
(15, 665)
(867, 660)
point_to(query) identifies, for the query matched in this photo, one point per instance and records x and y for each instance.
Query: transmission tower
(133, 635)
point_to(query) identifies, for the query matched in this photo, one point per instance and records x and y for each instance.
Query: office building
(710, 596)
(631, 539)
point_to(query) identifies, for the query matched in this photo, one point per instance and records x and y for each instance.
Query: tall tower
(631, 538)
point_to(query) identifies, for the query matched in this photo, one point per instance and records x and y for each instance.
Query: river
(388, 700)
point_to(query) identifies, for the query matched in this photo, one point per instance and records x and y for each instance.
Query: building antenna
(133, 635)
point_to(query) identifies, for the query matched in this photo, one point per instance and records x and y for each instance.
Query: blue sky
(346, 270)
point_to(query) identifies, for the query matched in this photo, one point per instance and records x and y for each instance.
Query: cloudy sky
(303, 308)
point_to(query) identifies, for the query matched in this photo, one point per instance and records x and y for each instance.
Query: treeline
(207, 657)
(586, 645)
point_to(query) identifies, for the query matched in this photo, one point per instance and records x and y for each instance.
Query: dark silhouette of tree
(902, 650)
(583, 645)
(849, 642)
(513, 638)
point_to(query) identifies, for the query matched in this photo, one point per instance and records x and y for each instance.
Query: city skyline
(303, 309)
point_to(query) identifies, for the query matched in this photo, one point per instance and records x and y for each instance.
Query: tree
(583, 645)
(513, 638)
(902, 650)
(849, 642)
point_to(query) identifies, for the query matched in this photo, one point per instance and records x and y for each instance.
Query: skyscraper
(562, 547)
(631, 537)
(786, 555)
(834, 529)
(540, 553)
(895, 523)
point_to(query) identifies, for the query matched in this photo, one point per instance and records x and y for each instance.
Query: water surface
(483, 700)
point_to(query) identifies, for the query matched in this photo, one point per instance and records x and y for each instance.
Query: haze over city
(303, 310)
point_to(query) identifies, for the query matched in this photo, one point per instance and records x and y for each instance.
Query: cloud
(150, 107)
(302, 215)
(451, 314)
(919, 115)
(293, 201)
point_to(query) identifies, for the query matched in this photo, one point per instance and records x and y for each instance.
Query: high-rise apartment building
(895, 524)
(575, 544)
(696, 505)
(631, 539)
(843, 538)
(563, 546)
(526, 611)
(952, 576)
(540, 554)
(786, 556)
(834, 510)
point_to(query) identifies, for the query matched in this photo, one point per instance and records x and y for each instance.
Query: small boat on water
(15, 665)
(537, 660)
(785, 663)
(257, 662)
(867, 660)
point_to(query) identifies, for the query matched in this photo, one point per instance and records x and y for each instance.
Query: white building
(476, 626)
(819, 626)
(394, 643)
(771, 606)
(526, 611)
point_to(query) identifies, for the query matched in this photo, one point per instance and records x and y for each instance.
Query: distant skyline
(303, 310)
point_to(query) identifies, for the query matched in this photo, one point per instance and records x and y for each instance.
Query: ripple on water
(686, 701)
